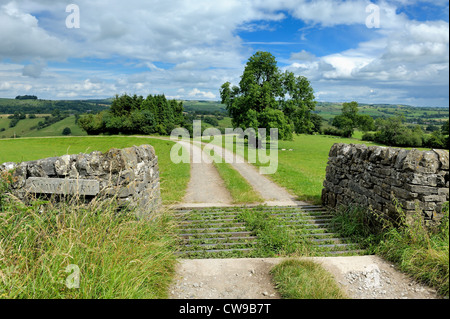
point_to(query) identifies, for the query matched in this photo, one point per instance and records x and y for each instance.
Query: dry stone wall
(131, 175)
(373, 176)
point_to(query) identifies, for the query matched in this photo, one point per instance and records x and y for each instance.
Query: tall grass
(419, 250)
(53, 250)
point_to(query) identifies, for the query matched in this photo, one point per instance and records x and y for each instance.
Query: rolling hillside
(327, 110)
(28, 128)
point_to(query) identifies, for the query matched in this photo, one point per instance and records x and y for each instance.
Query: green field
(28, 127)
(174, 177)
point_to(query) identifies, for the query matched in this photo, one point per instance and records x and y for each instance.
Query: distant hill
(206, 107)
(37, 106)
(413, 114)
(328, 110)
(29, 127)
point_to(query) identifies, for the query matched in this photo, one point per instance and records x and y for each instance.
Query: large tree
(349, 119)
(268, 98)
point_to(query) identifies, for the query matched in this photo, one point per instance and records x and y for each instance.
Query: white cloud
(22, 38)
(196, 93)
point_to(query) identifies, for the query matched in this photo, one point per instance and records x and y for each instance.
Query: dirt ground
(361, 277)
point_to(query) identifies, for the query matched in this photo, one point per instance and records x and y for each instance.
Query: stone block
(422, 190)
(443, 159)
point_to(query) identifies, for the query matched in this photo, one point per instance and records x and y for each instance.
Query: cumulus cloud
(22, 38)
(406, 61)
(196, 93)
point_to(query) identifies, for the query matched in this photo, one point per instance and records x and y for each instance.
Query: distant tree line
(26, 97)
(31, 106)
(135, 115)
(392, 131)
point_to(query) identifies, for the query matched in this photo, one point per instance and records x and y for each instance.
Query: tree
(268, 98)
(366, 123)
(445, 133)
(135, 115)
(445, 128)
(349, 119)
(66, 131)
(393, 132)
(317, 122)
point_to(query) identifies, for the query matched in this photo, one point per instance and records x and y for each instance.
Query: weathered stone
(444, 192)
(424, 190)
(443, 159)
(48, 166)
(373, 176)
(403, 193)
(434, 198)
(62, 165)
(61, 186)
(412, 160)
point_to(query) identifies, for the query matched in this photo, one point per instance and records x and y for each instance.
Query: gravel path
(205, 186)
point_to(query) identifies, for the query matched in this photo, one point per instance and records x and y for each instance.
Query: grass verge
(305, 279)
(241, 191)
(73, 250)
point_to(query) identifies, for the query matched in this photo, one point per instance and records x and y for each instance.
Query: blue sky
(187, 49)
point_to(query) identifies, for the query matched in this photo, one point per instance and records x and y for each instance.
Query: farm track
(221, 232)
